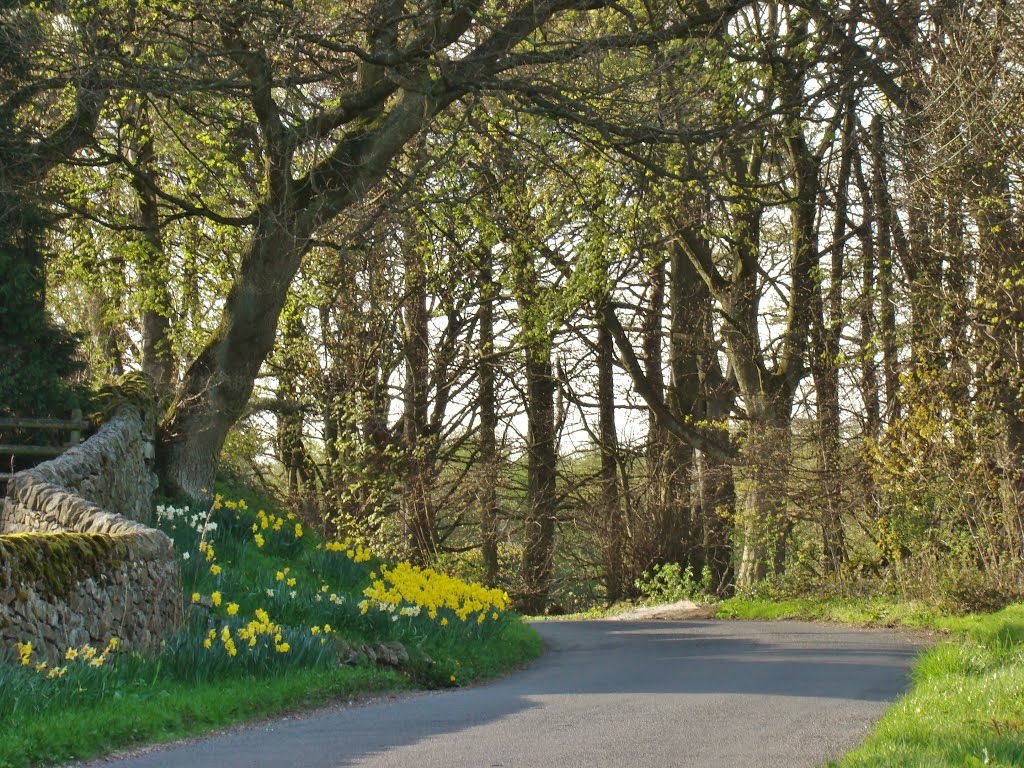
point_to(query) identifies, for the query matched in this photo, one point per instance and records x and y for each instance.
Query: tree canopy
(558, 290)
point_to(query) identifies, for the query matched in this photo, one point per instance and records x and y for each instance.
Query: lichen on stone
(53, 563)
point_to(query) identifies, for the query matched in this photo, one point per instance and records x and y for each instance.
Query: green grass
(169, 711)
(173, 710)
(596, 612)
(966, 706)
(868, 612)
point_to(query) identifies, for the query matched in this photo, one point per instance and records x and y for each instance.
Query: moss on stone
(53, 563)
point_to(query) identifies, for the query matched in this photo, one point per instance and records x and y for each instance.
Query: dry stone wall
(77, 565)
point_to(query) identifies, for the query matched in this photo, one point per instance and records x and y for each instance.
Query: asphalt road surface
(619, 694)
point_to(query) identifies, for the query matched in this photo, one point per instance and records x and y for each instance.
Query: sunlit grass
(966, 706)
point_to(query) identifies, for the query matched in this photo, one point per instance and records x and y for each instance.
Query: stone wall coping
(90, 490)
(42, 491)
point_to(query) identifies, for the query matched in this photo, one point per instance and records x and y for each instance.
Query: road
(617, 694)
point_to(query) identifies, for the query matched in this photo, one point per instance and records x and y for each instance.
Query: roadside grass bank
(277, 618)
(167, 711)
(965, 707)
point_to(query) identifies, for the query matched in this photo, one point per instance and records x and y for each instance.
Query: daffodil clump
(85, 654)
(409, 590)
(353, 551)
(283, 530)
(79, 675)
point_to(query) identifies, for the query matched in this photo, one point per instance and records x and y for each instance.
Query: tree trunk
(219, 382)
(290, 446)
(768, 395)
(487, 486)
(614, 525)
(690, 305)
(541, 470)
(869, 387)
(826, 329)
(416, 505)
(765, 526)
(884, 216)
(667, 466)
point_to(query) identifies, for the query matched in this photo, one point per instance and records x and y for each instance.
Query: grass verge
(965, 707)
(173, 710)
(176, 710)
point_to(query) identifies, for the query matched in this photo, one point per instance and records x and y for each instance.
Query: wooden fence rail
(74, 426)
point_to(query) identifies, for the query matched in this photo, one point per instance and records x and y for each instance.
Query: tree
(327, 141)
(53, 93)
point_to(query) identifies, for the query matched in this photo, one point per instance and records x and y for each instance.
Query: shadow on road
(600, 678)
